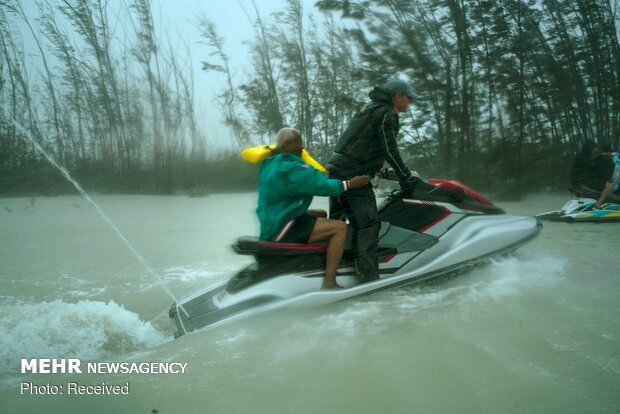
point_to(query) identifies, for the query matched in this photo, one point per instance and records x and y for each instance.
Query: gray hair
(286, 135)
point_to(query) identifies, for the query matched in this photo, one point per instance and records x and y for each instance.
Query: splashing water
(84, 194)
(86, 329)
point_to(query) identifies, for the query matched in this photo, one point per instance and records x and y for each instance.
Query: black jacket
(369, 140)
(580, 170)
(601, 172)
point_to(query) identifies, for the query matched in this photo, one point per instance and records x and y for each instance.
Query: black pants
(360, 206)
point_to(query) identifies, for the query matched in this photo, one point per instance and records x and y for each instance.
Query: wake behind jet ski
(437, 228)
(582, 210)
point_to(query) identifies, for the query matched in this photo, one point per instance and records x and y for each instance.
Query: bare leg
(335, 232)
(607, 190)
(317, 213)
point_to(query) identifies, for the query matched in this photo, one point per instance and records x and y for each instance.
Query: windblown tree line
(108, 102)
(509, 89)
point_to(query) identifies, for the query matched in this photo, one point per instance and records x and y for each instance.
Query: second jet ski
(582, 210)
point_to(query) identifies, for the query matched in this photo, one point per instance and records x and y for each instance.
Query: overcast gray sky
(177, 20)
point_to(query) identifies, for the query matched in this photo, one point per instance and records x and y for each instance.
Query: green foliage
(508, 91)
(121, 121)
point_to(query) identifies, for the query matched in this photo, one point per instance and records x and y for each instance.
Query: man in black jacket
(592, 177)
(580, 171)
(369, 141)
(600, 178)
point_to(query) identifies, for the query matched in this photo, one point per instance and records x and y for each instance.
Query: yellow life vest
(257, 154)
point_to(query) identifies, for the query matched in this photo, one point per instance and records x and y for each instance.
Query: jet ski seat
(255, 246)
(273, 259)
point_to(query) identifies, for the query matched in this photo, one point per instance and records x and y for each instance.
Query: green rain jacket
(285, 189)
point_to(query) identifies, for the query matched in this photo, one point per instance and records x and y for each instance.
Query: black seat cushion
(255, 246)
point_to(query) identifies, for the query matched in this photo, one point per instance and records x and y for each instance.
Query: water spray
(84, 194)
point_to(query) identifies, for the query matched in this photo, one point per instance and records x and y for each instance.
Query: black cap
(400, 86)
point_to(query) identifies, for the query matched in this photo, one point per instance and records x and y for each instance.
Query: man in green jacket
(286, 187)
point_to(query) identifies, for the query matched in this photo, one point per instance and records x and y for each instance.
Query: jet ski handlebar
(434, 187)
(407, 187)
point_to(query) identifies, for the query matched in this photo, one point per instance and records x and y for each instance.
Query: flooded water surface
(534, 332)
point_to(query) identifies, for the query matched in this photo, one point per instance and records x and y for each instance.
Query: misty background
(509, 89)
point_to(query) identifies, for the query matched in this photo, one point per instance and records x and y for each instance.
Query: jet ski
(582, 210)
(437, 228)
